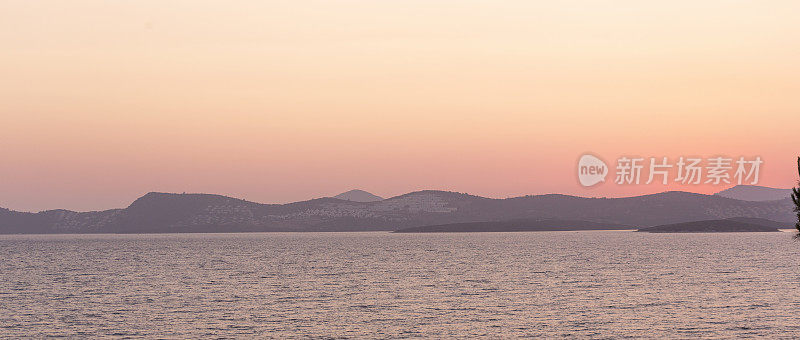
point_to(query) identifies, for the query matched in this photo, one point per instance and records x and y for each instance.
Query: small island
(730, 225)
(515, 226)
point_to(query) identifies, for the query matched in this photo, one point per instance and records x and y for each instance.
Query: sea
(377, 285)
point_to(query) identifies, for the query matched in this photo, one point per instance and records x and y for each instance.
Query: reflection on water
(609, 283)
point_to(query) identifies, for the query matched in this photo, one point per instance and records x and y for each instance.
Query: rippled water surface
(379, 285)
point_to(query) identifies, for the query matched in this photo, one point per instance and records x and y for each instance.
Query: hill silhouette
(755, 193)
(719, 226)
(358, 196)
(166, 212)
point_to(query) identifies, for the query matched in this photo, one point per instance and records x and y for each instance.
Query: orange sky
(277, 101)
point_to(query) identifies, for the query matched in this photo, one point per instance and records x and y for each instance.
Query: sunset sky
(279, 101)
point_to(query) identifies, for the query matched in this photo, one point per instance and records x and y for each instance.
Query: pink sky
(279, 101)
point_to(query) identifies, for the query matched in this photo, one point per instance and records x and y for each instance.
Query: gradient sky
(278, 101)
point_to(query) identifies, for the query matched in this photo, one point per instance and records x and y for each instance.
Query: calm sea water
(382, 285)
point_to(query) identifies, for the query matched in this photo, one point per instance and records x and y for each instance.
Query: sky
(281, 101)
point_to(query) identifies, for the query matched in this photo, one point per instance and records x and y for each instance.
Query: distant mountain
(755, 193)
(514, 226)
(358, 196)
(729, 225)
(165, 213)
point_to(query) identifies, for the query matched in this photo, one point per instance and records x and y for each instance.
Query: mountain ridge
(755, 193)
(358, 195)
(158, 212)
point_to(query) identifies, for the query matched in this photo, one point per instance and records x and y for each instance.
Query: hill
(729, 225)
(755, 193)
(358, 196)
(166, 212)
